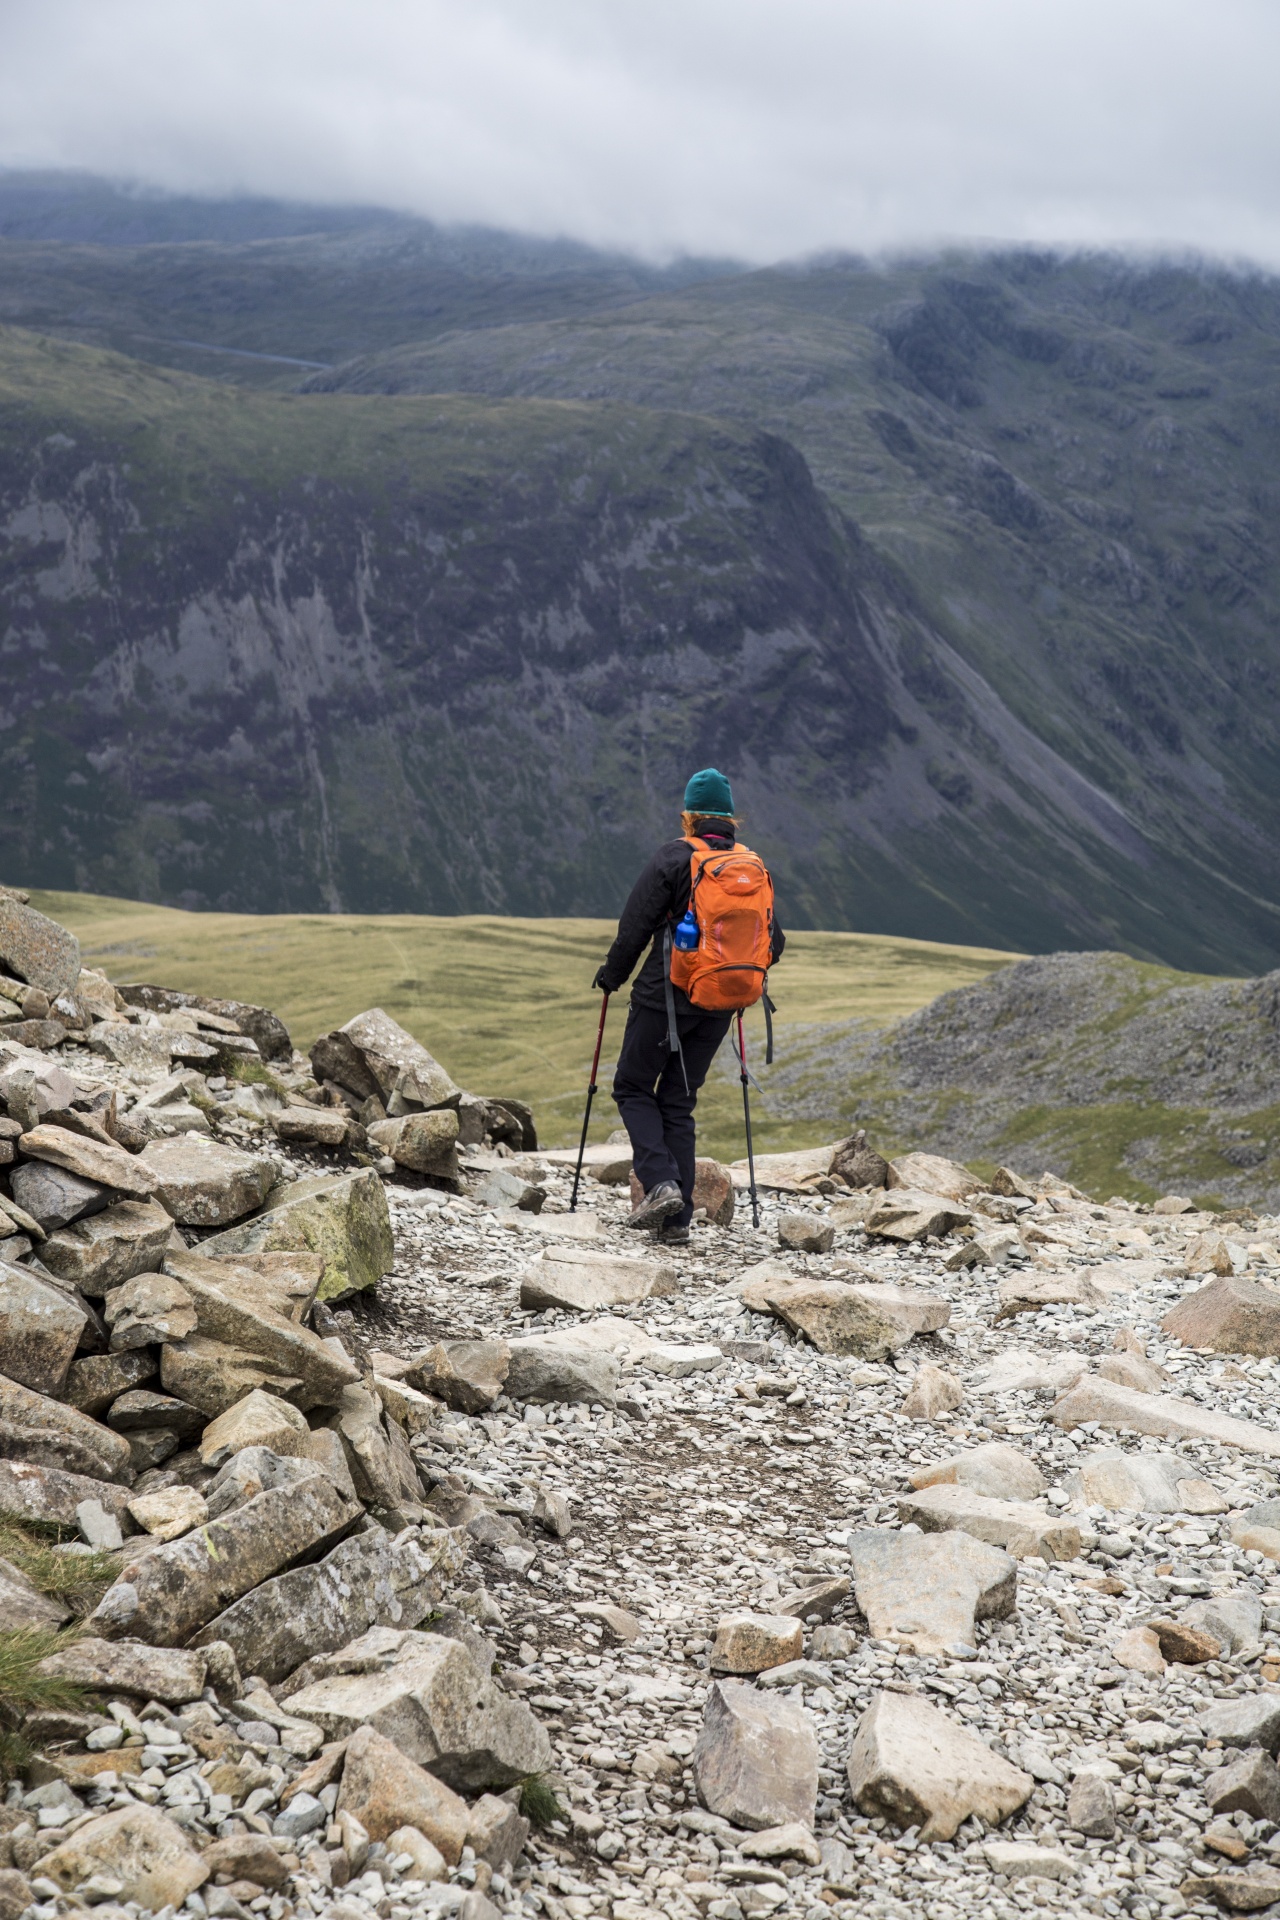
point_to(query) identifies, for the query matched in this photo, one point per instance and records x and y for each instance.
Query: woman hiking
(709, 958)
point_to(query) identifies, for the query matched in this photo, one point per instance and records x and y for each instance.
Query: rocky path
(434, 1550)
(726, 1486)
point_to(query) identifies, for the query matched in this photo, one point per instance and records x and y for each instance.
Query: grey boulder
(54, 1197)
(551, 1368)
(40, 1328)
(756, 1758)
(918, 1767)
(101, 1250)
(170, 1592)
(36, 949)
(47, 1433)
(426, 1695)
(926, 1590)
(366, 1581)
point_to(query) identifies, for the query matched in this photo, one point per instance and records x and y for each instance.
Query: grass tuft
(79, 1580)
(252, 1073)
(538, 1802)
(25, 1690)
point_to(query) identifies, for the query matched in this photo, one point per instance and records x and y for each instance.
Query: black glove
(602, 980)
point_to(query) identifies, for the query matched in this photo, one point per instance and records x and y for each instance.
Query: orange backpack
(731, 897)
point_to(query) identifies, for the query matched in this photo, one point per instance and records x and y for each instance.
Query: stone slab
(1163, 1414)
(170, 1592)
(756, 1758)
(1020, 1528)
(342, 1217)
(917, 1767)
(925, 1591)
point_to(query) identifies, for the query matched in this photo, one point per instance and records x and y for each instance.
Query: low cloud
(761, 128)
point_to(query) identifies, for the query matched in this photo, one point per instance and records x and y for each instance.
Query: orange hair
(690, 822)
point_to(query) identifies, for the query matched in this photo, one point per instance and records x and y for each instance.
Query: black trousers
(656, 1107)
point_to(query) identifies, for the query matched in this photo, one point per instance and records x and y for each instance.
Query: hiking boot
(671, 1235)
(658, 1205)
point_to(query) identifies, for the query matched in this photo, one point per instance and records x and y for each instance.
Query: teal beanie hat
(708, 792)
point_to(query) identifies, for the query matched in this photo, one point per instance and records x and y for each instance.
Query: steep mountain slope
(1071, 462)
(1007, 672)
(312, 652)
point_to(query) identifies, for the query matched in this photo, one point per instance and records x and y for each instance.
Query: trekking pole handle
(595, 1058)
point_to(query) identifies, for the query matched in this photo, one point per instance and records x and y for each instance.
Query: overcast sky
(759, 128)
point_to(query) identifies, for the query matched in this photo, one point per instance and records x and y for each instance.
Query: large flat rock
(384, 1790)
(1231, 1314)
(918, 1767)
(756, 1759)
(584, 1281)
(994, 1468)
(466, 1374)
(148, 1855)
(869, 1321)
(430, 1699)
(1130, 1482)
(207, 1183)
(927, 1590)
(170, 1674)
(366, 1581)
(633, 1345)
(237, 1316)
(1126, 1411)
(554, 1368)
(931, 1173)
(32, 1491)
(342, 1217)
(108, 1248)
(169, 1592)
(1017, 1526)
(397, 1063)
(47, 1433)
(105, 1166)
(52, 1197)
(908, 1213)
(36, 949)
(787, 1172)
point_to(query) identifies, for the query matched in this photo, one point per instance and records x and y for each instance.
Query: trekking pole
(746, 1112)
(586, 1118)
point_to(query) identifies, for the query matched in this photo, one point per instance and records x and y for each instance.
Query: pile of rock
(769, 1570)
(176, 1395)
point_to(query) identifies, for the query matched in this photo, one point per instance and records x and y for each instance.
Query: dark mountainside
(965, 569)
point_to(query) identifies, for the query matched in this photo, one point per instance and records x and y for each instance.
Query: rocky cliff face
(285, 653)
(1032, 699)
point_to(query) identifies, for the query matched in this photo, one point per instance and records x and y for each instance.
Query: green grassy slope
(504, 1003)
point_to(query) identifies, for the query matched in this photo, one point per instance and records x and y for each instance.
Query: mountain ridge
(1011, 516)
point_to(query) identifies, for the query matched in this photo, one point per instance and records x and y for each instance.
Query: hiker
(672, 1035)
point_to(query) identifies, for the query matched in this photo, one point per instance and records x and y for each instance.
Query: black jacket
(658, 897)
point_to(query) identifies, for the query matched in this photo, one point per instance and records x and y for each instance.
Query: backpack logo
(731, 900)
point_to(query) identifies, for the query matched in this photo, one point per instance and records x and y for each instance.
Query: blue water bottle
(686, 934)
